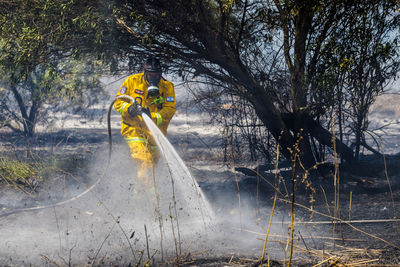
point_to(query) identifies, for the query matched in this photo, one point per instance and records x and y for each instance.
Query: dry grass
(24, 176)
(27, 175)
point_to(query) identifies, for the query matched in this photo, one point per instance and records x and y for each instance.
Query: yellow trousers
(145, 156)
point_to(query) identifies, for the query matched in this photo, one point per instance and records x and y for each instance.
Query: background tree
(48, 89)
(41, 42)
(376, 66)
(276, 55)
(359, 68)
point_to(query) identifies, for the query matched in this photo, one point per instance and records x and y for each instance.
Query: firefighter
(154, 96)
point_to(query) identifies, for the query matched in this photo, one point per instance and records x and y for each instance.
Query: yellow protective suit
(142, 146)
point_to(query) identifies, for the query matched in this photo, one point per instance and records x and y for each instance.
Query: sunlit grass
(27, 176)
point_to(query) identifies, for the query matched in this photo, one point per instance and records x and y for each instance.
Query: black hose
(109, 122)
(109, 129)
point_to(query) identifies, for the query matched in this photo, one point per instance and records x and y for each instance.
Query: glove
(135, 110)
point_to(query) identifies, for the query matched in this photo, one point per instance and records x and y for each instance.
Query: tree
(252, 45)
(46, 89)
(360, 68)
(40, 43)
(377, 64)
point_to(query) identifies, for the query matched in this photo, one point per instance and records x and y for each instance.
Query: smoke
(106, 223)
(120, 221)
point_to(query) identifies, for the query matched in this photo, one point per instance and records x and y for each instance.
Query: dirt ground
(367, 234)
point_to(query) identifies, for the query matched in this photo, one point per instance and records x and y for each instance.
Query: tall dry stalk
(173, 235)
(158, 212)
(296, 162)
(326, 201)
(390, 189)
(238, 195)
(175, 210)
(351, 200)
(273, 205)
(104, 241)
(147, 242)
(336, 180)
(236, 180)
(293, 179)
(294, 157)
(258, 184)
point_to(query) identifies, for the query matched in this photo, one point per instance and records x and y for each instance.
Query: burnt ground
(368, 231)
(366, 235)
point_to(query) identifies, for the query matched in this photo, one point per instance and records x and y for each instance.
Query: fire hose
(88, 189)
(109, 121)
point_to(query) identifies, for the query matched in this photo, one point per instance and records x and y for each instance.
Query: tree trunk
(280, 130)
(33, 114)
(271, 117)
(28, 122)
(272, 120)
(22, 108)
(300, 128)
(302, 26)
(323, 136)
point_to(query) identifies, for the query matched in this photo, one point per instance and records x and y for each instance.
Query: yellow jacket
(136, 86)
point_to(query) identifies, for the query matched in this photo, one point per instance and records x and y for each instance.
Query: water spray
(171, 157)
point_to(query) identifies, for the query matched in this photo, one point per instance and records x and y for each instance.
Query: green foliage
(45, 59)
(356, 68)
(67, 83)
(28, 175)
(25, 176)
(37, 32)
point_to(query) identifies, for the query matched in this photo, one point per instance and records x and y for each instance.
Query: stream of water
(184, 191)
